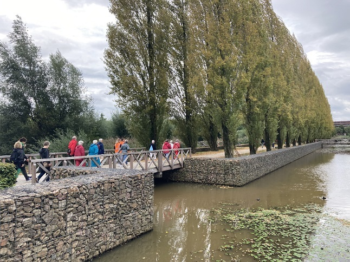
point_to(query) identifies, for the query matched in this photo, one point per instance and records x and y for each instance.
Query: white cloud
(321, 26)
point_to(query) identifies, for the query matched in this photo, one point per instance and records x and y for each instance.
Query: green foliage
(7, 175)
(166, 132)
(39, 97)
(137, 65)
(60, 140)
(219, 64)
(119, 126)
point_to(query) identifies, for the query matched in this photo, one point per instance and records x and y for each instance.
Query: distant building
(341, 123)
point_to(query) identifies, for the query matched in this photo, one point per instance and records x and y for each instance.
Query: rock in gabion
(238, 171)
(75, 218)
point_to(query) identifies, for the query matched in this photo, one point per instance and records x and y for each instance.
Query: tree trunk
(252, 149)
(152, 88)
(287, 140)
(279, 139)
(299, 140)
(294, 142)
(228, 148)
(191, 137)
(267, 135)
(213, 135)
(267, 140)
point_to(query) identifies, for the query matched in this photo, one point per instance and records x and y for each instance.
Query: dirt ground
(221, 154)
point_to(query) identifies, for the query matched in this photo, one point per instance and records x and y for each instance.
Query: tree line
(210, 67)
(45, 100)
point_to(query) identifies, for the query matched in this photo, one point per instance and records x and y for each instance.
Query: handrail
(65, 153)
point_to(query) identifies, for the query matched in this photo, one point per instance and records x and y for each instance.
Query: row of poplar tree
(211, 66)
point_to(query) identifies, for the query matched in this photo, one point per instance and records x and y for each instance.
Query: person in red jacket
(176, 146)
(79, 151)
(166, 146)
(72, 145)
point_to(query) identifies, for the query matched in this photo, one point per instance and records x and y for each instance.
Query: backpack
(13, 157)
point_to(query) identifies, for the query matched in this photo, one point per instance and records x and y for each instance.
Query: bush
(7, 175)
(61, 140)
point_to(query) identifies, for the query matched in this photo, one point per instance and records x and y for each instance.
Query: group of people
(167, 146)
(122, 146)
(76, 148)
(20, 160)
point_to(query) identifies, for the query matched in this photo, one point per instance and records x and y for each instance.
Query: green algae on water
(274, 234)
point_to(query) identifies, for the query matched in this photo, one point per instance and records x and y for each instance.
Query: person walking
(175, 147)
(71, 146)
(166, 148)
(19, 159)
(23, 141)
(117, 146)
(124, 149)
(93, 150)
(101, 149)
(153, 147)
(45, 153)
(79, 151)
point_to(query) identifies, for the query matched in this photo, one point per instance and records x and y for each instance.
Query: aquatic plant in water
(276, 234)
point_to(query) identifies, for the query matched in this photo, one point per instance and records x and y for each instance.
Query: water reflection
(182, 229)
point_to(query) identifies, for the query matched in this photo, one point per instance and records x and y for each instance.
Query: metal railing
(155, 161)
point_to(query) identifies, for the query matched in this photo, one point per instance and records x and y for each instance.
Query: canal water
(183, 230)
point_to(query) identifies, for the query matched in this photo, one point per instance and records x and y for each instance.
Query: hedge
(7, 175)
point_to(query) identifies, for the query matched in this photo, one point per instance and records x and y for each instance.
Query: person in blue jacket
(93, 150)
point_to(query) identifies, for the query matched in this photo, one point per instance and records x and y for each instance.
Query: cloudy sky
(78, 29)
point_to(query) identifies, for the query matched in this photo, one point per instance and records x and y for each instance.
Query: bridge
(155, 162)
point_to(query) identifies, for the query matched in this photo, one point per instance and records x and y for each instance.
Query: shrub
(7, 175)
(61, 140)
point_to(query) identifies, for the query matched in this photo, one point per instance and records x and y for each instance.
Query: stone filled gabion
(77, 218)
(238, 171)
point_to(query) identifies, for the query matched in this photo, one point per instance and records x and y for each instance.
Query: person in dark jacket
(20, 159)
(101, 149)
(45, 153)
(93, 150)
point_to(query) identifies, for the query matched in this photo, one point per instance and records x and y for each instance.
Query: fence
(155, 161)
(6, 158)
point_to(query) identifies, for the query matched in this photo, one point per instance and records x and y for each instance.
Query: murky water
(182, 228)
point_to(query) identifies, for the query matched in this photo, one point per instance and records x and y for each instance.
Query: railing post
(114, 159)
(160, 161)
(146, 161)
(182, 157)
(33, 172)
(131, 161)
(172, 158)
(110, 161)
(30, 164)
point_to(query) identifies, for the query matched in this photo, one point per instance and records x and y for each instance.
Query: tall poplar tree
(137, 64)
(183, 69)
